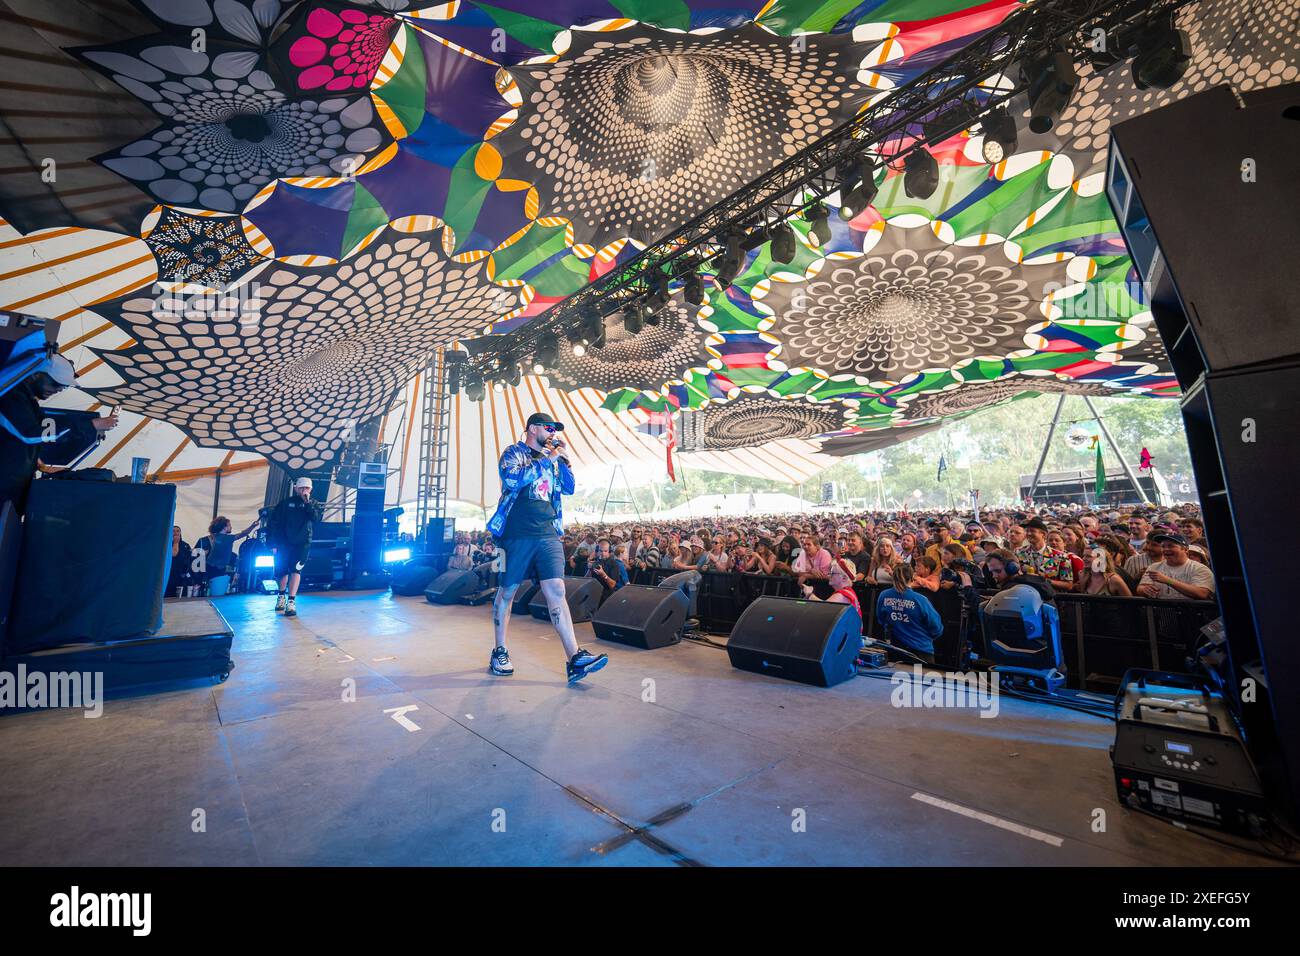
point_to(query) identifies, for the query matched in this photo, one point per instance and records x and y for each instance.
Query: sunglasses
(550, 429)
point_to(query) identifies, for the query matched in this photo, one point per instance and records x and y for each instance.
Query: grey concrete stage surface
(721, 768)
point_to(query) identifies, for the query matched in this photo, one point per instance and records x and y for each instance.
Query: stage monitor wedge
(583, 595)
(642, 617)
(813, 642)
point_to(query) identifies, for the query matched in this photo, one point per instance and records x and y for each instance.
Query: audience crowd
(1141, 552)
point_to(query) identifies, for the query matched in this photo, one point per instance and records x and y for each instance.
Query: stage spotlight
(921, 178)
(394, 555)
(579, 349)
(949, 122)
(548, 351)
(783, 243)
(818, 217)
(264, 561)
(855, 201)
(694, 288)
(1000, 136)
(499, 385)
(1050, 88)
(633, 318)
(1163, 58)
(659, 293)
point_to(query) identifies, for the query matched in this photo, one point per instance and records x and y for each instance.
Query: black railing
(1101, 636)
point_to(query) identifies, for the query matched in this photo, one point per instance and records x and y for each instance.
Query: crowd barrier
(1101, 636)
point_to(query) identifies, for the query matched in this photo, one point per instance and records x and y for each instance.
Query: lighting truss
(981, 76)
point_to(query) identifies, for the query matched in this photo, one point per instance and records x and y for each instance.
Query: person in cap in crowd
(1005, 571)
(1176, 577)
(908, 617)
(289, 532)
(25, 429)
(1101, 575)
(529, 522)
(1037, 557)
(1198, 552)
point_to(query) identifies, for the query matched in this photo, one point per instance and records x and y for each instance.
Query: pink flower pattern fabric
(341, 52)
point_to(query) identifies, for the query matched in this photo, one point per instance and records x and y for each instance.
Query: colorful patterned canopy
(295, 204)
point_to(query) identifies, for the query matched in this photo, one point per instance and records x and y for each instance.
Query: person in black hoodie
(289, 536)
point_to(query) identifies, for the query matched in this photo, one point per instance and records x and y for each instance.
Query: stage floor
(720, 767)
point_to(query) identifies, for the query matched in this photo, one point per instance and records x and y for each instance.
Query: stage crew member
(528, 524)
(289, 536)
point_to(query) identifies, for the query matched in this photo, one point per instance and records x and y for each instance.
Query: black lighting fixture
(819, 224)
(474, 387)
(949, 122)
(633, 318)
(857, 191)
(729, 262)
(1052, 82)
(921, 176)
(783, 243)
(659, 293)
(1000, 135)
(693, 291)
(514, 374)
(547, 354)
(1163, 56)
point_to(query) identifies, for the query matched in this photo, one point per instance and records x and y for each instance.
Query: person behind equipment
(909, 618)
(289, 537)
(23, 429)
(528, 522)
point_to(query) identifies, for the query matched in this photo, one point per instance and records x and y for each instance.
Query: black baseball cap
(541, 418)
(1170, 537)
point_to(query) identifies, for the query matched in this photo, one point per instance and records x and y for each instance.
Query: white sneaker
(280, 602)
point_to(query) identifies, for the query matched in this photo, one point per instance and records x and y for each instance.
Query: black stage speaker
(450, 586)
(414, 576)
(813, 642)
(642, 617)
(583, 595)
(94, 561)
(688, 582)
(523, 597)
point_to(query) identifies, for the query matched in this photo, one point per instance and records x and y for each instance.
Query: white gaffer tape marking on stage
(989, 819)
(470, 716)
(380, 660)
(399, 715)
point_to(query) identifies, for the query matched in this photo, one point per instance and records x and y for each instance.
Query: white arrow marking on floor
(399, 715)
(989, 819)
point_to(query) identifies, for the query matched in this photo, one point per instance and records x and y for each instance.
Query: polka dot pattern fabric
(755, 420)
(635, 132)
(288, 365)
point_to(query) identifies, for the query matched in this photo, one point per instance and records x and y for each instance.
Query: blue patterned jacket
(519, 469)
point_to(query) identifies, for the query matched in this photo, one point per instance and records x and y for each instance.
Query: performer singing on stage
(534, 475)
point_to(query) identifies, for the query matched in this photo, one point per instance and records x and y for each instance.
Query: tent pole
(1047, 443)
(1128, 471)
(216, 495)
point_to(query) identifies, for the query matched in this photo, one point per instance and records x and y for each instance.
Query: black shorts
(291, 558)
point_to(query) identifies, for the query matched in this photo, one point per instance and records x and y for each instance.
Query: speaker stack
(812, 642)
(1208, 231)
(583, 595)
(642, 617)
(451, 586)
